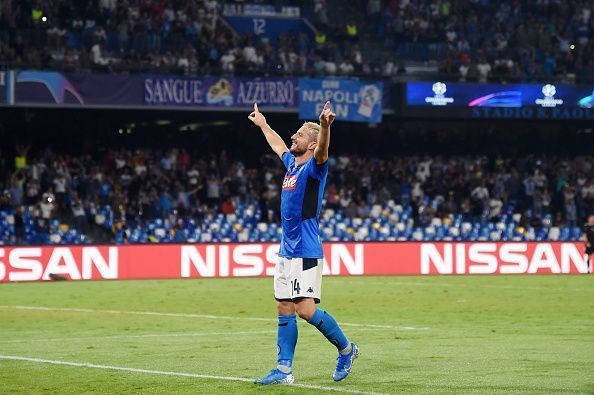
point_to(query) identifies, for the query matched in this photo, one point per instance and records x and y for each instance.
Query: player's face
(591, 220)
(301, 142)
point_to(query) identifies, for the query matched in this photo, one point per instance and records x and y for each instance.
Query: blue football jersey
(301, 203)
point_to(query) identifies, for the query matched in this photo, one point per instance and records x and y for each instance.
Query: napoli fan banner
(354, 101)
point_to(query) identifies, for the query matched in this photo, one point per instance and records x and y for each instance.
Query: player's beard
(297, 151)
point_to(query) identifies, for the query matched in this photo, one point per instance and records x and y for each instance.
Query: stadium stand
(476, 40)
(151, 195)
(145, 195)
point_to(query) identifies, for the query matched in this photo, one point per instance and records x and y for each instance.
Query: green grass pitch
(458, 334)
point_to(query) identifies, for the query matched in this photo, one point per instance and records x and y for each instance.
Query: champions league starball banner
(546, 95)
(62, 89)
(546, 101)
(351, 100)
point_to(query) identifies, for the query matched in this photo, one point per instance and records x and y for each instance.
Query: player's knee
(306, 315)
(285, 308)
(305, 311)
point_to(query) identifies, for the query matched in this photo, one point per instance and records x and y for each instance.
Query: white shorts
(298, 278)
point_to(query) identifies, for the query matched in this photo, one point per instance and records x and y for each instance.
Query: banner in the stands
(351, 100)
(54, 88)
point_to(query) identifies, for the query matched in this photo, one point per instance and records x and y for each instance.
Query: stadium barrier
(111, 262)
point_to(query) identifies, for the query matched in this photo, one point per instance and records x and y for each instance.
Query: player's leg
(286, 335)
(306, 290)
(287, 328)
(324, 322)
(327, 325)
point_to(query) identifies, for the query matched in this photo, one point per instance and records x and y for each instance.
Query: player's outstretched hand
(326, 116)
(257, 117)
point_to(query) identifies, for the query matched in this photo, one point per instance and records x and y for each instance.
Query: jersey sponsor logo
(289, 183)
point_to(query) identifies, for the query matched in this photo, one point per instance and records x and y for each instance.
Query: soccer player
(298, 272)
(589, 240)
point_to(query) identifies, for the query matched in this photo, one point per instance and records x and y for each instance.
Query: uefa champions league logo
(549, 91)
(549, 100)
(439, 89)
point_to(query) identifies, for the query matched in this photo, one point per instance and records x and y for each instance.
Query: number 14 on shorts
(295, 288)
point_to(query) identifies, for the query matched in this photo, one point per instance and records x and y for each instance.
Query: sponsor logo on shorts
(310, 290)
(289, 183)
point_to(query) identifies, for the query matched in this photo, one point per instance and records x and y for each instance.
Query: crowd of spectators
(474, 40)
(522, 40)
(111, 35)
(182, 37)
(176, 185)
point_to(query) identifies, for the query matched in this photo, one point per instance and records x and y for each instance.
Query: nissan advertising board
(257, 259)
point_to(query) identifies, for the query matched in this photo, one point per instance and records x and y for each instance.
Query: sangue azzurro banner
(157, 91)
(218, 91)
(351, 100)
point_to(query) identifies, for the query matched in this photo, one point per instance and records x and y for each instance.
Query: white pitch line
(219, 317)
(179, 374)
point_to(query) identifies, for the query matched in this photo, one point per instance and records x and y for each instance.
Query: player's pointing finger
(256, 107)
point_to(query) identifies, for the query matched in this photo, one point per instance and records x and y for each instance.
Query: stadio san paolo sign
(257, 259)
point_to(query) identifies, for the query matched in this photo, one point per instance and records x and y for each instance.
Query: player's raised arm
(326, 119)
(274, 140)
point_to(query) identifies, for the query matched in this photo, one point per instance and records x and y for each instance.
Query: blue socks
(329, 328)
(286, 340)
(287, 335)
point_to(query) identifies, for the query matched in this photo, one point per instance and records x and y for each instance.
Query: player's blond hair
(313, 129)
